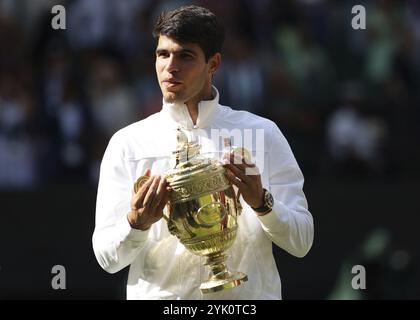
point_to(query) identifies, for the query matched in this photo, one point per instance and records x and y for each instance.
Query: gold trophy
(202, 211)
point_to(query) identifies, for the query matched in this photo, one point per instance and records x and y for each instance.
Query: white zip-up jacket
(160, 266)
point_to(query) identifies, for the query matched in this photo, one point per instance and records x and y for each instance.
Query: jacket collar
(178, 112)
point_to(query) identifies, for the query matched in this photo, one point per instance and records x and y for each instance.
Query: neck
(190, 116)
(193, 104)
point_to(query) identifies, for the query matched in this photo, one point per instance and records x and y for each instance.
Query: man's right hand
(148, 203)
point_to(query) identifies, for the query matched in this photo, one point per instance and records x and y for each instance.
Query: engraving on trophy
(198, 188)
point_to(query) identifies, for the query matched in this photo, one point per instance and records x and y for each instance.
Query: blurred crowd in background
(347, 100)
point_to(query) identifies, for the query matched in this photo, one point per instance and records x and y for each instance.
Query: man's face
(182, 71)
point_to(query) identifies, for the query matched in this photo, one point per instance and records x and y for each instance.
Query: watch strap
(264, 208)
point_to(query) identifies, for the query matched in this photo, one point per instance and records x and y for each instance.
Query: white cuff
(278, 217)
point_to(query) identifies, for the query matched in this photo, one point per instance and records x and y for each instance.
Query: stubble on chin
(169, 99)
(172, 98)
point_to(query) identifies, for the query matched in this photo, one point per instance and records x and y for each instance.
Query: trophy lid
(194, 175)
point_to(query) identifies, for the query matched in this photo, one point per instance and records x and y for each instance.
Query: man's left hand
(249, 185)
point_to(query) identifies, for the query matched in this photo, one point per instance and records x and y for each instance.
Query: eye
(186, 56)
(162, 54)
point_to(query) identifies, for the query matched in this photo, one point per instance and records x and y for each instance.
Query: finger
(252, 171)
(141, 193)
(247, 168)
(242, 153)
(148, 172)
(235, 181)
(164, 200)
(160, 192)
(151, 193)
(226, 156)
(238, 172)
(241, 160)
(141, 182)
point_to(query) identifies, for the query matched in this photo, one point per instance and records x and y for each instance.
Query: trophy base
(226, 281)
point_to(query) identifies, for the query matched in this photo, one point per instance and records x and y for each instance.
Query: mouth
(170, 83)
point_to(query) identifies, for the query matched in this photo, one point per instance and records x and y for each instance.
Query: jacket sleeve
(289, 225)
(115, 243)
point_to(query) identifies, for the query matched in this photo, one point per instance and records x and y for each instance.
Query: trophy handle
(238, 203)
(165, 214)
(137, 185)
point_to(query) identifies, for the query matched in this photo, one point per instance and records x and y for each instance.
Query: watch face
(269, 201)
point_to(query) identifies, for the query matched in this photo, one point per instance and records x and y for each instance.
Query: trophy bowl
(202, 213)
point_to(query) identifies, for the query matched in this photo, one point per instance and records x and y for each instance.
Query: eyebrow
(181, 51)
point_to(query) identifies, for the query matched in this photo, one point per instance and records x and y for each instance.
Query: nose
(172, 65)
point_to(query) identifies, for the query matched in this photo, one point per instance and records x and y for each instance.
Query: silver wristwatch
(267, 204)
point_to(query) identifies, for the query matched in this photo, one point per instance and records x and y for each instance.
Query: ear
(214, 62)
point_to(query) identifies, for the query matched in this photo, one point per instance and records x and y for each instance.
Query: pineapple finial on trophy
(185, 149)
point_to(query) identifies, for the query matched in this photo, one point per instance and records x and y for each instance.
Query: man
(129, 226)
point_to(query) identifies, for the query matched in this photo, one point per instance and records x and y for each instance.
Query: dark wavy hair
(192, 24)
